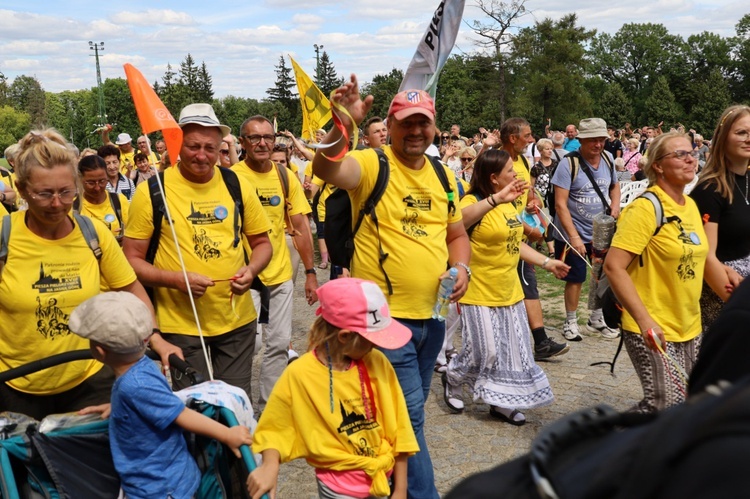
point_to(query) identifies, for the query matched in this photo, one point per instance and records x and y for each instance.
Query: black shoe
(547, 348)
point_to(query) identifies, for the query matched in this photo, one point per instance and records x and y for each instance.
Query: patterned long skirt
(497, 358)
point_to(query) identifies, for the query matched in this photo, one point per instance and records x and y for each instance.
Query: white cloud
(153, 17)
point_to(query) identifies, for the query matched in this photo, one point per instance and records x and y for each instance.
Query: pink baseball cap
(410, 102)
(360, 306)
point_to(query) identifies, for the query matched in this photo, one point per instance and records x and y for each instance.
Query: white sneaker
(601, 327)
(292, 356)
(571, 332)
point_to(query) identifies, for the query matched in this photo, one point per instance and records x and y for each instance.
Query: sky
(241, 42)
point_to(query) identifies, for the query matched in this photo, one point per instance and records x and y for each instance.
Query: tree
(26, 94)
(120, 109)
(710, 97)
(614, 106)
(14, 124)
(741, 54)
(383, 88)
(661, 105)
(326, 78)
(549, 67)
(204, 91)
(495, 32)
(3, 89)
(283, 90)
(636, 56)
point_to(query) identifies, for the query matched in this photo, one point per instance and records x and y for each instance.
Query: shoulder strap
(114, 201)
(556, 155)
(437, 165)
(4, 238)
(384, 172)
(284, 177)
(233, 186)
(525, 162)
(661, 219)
(89, 233)
(584, 167)
(158, 213)
(77, 204)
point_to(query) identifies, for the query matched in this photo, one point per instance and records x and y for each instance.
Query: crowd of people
(207, 247)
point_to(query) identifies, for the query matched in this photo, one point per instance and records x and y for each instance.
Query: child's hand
(103, 409)
(263, 480)
(237, 436)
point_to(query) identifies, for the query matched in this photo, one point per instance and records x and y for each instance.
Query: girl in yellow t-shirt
(49, 269)
(658, 278)
(340, 405)
(497, 359)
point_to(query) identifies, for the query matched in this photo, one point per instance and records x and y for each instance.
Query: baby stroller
(68, 456)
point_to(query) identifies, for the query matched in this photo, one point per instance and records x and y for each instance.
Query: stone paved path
(463, 444)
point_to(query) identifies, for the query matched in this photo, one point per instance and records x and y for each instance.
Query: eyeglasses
(466, 160)
(279, 147)
(45, 197)
(255, 139)
(94, 183)
(742, 135)
(224, 151)
(679, 154)
(445, 137)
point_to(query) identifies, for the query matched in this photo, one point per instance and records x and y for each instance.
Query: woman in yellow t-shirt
(96, 202)
(497, 359)
(658, 277)
(50, 268)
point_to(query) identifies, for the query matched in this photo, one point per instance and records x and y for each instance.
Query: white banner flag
(434, 47)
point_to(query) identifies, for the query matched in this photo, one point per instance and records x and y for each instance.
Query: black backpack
(696, 449)
(574, 160)
(340, 229)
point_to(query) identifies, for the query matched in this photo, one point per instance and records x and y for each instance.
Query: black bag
(697, 449)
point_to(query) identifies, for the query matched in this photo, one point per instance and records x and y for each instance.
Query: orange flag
(152, 113)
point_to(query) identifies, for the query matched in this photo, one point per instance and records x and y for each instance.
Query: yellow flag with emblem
(316, 109)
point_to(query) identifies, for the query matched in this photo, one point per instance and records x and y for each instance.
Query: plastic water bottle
(440, 311)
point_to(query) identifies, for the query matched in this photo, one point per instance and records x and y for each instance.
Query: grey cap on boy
(117, 320)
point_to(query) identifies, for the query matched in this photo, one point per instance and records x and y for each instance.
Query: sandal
(495, 413)
(454, 404)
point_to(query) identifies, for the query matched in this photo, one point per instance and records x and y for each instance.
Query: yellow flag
(316, 109)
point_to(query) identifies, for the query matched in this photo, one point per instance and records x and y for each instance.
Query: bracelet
(490, 201)
(544, 263)
(466, 268)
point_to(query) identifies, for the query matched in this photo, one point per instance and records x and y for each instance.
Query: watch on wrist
(310, 271)
(465, 267)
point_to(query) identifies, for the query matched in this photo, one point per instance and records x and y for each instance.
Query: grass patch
(551, 294)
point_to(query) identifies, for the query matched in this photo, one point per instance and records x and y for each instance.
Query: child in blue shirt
(147, 420)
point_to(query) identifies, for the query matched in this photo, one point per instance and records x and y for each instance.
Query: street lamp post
(96, 47)
(318, 48)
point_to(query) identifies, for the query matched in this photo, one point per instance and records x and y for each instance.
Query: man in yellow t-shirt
(284, 210)
(203, 216)
(515, 135)
(417, 231)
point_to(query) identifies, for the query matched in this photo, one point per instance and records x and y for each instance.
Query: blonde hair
(323, 332)
(656, 152)
(716, 171)
(545, 143)
(468, 150)
(42, 148)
